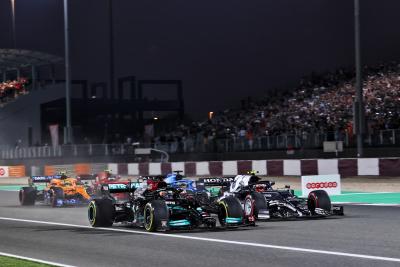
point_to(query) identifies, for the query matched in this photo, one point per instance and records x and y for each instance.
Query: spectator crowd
(319, 104)
(9, 90)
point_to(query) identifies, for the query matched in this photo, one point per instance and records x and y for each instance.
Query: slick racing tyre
(27, 196)
(260, 204)
(230, 212)
(155, 213)
(56, 195)
(319, 199)
(248, 211)
(101, 213)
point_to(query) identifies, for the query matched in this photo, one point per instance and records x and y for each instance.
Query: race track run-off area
(366, 235)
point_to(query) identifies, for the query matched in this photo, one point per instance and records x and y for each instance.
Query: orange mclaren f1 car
(60, 190)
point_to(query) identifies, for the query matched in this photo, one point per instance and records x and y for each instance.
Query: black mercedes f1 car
(157, 207)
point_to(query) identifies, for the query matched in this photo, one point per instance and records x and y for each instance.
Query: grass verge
(13, 262)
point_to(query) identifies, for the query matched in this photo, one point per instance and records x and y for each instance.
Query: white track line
(296, 249)
(366, 193)
(34, 260)
(369, 204)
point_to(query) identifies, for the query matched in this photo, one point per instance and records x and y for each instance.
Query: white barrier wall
(347, 167)
(229, 168)
(291, 167)
(113, 167)
(178, 166)
(133, 169)
(368, 166)
(328, 166)
(260, 166)
(202, 168)
(154, 168)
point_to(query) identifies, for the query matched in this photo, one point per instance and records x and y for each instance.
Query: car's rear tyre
(260, 204)
(155, 212)
(101, 213)
(318, 199)
(56, 195)
(230, 212)
(27, 196)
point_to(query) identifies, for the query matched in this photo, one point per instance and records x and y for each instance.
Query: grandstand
(319, 109)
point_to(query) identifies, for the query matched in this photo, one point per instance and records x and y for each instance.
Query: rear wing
(153, 177)
(86, 177)
(215, 181)
(267, 183)
(43, 179)
(119, 187)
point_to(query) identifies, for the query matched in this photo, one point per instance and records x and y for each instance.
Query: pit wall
(345, 167)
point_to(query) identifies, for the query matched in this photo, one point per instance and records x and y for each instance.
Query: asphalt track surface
(341, 241)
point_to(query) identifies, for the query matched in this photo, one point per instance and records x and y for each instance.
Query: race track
(62, 235)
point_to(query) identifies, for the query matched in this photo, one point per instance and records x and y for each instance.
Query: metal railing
(219, 145)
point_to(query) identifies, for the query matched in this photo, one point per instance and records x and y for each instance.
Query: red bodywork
(153, 184)
(108, 178)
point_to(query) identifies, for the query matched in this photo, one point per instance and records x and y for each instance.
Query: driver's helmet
(63, 174)
(182, 185)
(261, 187)
(55, 182)
(171, 178)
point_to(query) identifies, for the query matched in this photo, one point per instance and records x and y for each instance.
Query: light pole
(111, 47)
(68, 130)
(358, 104)
(13, 23)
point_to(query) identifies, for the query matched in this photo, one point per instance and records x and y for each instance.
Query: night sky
(222, 50)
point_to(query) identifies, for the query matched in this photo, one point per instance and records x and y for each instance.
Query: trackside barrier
(81, 169)
(12, 171)
(330, 183)
(4, 171)
(17, 171)
(343, 167)
(36, 171)
(347, 167)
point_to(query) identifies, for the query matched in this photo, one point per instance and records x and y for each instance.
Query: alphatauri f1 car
(283, 203)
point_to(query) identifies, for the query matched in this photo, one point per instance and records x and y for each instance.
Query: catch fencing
(384, 138)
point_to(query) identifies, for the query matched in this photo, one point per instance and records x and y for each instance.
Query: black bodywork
(162, 208)
(283, 203)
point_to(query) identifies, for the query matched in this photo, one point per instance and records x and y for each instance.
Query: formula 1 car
(59, 190)
(156, 206)
(177, 180)
(251, 200)
(283, 203)
(211, 189)
(97, 180)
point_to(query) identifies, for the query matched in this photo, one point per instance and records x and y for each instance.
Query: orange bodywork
(70, 187)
